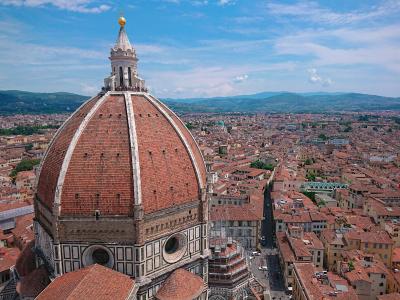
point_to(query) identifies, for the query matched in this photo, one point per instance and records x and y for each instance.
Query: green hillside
(20, 102)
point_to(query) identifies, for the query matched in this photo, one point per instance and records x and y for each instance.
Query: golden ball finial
(122, 21)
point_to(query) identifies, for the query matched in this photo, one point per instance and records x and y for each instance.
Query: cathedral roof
(181, 285)
(94, 282)
(119, 150)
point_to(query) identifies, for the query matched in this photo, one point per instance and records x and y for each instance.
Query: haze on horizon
(204, 48)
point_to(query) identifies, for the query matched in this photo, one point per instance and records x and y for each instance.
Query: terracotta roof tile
(168, 175)
(91, 283)
(8, 257)
(181, 285)
(392, 296)
(53, 161)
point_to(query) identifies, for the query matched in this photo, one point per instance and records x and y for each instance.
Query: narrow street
(272, 277)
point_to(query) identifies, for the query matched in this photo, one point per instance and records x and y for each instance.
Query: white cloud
(314, 77)
(376, 47)
(241, 78)
(198, 81)
(88, 89)
(148, 48)
(81, 6)
(226, 2)
(39, 55)
(171, 1)
(199, 2)
(314, 12)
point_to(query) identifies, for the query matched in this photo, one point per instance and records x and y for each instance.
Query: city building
(376, 243)
(334, 246)
(241, 223)
(367, 275)
(309, 283)
(295, 245)
(228, 275)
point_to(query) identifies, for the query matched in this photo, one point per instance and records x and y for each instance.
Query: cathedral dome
(119, 150)
(123, 184)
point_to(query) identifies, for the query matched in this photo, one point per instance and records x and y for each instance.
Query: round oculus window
(175, 248)
(98, 254)
(171, 245)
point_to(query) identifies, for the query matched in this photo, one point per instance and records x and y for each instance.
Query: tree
(28, 147)
(26, 130)
(310, 195)
(348, 129)
(363, 118)
(351, 265)
(24, 165)
(323, 137)
(311, 176)
(258, 164)
(308, 161)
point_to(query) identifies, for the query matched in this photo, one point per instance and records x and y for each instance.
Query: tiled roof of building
(165, 169)
(225, 247)
(363, 265)
(8, 257)
(317, 289)
(284, 247)
(181, 285)
(332, 237)
(361, 222)
(357, 275)
(392, 296)
(234, 213)
(381, 237)
(396, 255)
(91, 283)
(295, 216)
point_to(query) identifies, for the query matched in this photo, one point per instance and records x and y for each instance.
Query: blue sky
(200, 48)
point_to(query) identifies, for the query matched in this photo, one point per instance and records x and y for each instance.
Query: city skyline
(272, 195)
(204, 48)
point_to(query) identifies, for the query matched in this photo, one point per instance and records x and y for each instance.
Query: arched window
(130, 76)
(121, 77)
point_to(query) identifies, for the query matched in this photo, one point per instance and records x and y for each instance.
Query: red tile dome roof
(181, 285)
(119, 150)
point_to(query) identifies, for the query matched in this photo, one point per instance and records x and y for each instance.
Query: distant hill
(287, 102)
(15, 102)
(20, 102)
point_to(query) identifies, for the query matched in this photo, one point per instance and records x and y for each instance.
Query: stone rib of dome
(190, 139)
(99, 173)
(50, 170)
(168, 175)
